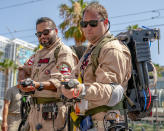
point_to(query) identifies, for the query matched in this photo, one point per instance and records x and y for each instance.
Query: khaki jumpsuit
(43, 66)
(114, 67)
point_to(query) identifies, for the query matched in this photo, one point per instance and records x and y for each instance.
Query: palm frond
(70, 32)
(72, 17)
(1, 54)
(63, 26)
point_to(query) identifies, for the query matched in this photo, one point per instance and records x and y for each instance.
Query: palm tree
(131, 27)
(1, 53)
(6, 66)
(159, 70)
(72, 16)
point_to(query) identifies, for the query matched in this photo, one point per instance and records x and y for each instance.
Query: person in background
(11, 110)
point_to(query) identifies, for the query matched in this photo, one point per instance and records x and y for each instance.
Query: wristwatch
(41, 87)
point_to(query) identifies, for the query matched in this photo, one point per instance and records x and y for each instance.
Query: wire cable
(145, 99)
(149, 99)
(141, 20)
(20, 4)
(18, 31)
(138, 13)
(151, 26)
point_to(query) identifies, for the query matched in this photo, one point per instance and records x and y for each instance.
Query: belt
(44, 100)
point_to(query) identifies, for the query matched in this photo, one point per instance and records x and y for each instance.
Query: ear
(106, 21)
(56, 30)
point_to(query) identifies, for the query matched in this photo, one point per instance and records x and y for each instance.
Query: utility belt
(49, 106)
(49, 111)
(44, 100)
(85, 122)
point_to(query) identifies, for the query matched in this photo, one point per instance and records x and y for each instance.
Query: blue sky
(19, 21)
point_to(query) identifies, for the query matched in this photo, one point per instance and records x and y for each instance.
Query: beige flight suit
(44, 72)
(114, 67)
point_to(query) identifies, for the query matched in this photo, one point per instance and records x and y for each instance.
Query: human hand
(27, 85)
(4, 126)
(27, 88)
(73, 92)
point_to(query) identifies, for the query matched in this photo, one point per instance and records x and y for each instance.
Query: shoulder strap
(56, 52)
(96, 51)
(104, 108)
(77, 119)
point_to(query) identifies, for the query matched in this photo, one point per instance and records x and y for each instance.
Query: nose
(42, 35)
(88, 27)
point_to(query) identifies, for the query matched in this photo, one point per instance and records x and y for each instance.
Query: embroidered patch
(30, 61)
(47, 72)
(64, 69)
(43, 61)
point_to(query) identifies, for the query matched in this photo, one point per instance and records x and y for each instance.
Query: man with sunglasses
(104, 69)
(45, 68)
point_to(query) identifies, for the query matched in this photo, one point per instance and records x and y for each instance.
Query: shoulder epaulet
(56, 52)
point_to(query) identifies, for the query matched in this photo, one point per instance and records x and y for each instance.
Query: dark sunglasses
(92, 23)
(44, 32)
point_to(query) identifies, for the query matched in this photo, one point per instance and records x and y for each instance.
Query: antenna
(11, 33)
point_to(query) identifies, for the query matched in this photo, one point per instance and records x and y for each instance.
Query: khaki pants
(35, 118)
(13, 122)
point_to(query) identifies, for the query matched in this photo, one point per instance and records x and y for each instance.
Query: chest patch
(44, 61)
(64, 69)
(30, 61)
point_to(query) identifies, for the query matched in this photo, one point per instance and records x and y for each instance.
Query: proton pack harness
(140, 100)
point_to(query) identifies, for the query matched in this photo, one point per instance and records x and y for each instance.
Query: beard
(50, 40)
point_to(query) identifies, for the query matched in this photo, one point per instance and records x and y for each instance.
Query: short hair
(22, 74)
(46, 19)
(99, 8)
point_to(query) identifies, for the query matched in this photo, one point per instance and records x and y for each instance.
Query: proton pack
(139, 100)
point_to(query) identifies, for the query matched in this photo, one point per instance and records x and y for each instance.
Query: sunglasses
(44, 32)
(92, 23)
